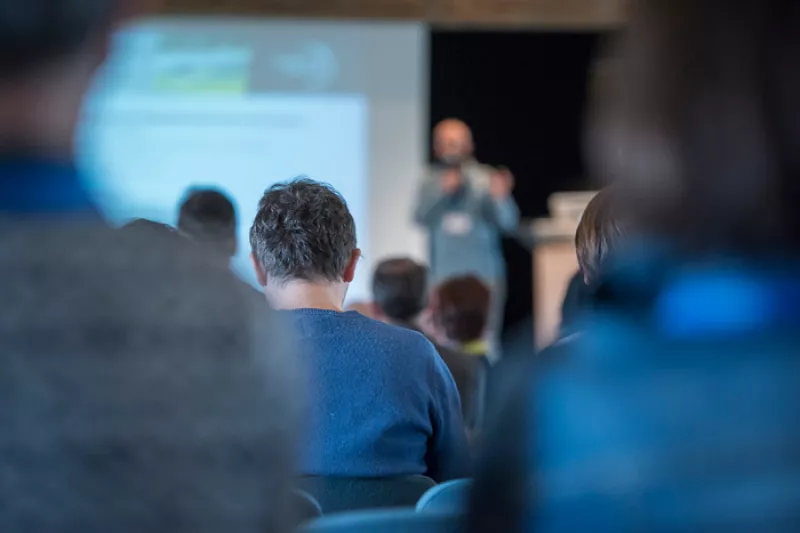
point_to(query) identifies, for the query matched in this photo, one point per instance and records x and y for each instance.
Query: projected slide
(182, 107)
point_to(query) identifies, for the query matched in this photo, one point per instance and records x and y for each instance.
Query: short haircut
(34, 33)
(598, 236)
(144, 226)
(209, 217)
(461, 308)
(400, 288)
(303, 231)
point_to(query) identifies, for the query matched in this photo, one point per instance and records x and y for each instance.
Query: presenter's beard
(452, 160)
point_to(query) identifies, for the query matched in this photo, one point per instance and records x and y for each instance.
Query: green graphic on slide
(202, 69)
(215, 86)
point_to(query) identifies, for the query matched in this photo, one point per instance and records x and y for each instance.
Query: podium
(554, 261)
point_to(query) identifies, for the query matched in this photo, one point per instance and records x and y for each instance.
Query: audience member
(400, 290)
(382, 401)
(459, 312)
(576, 300)
(151, 229)
(675, 411)
(209, 217)
(600, 233)
(135, 395)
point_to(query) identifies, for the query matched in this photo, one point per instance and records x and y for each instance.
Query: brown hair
(701, 122)
(598, 235)
(461, 308)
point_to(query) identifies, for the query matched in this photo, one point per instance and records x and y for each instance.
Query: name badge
(457, 223)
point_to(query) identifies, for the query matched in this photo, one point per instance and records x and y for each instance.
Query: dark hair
(400, 287)
(461, 308)
(598, 236)
(35, 32)
(209, 217)
(144, 226)
(701, 122)
(303, 230)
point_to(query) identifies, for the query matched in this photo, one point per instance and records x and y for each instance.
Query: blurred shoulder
(82, 274)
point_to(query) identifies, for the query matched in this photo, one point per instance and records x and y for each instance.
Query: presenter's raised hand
(502, 183)
(450, 180)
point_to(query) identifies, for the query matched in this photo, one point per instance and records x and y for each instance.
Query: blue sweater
(381, 401)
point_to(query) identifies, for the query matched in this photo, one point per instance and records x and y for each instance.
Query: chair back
(387, 521)
(449, 497)
(305, 507)
(337, 494)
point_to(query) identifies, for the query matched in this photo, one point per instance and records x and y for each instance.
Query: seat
(336, 494)
(305, 507)
(387, 521)
(450, 497)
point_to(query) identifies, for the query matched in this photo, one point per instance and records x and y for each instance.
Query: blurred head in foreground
(452, 141)
(400, 290)
(598, 236)
(208, 217)
(303, 243)
(460, 311)
(699, 123)
(49, 51)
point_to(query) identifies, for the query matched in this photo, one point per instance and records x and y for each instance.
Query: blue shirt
(678, 415)
(34, 186)
(381, 401)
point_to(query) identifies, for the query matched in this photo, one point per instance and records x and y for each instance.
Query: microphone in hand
(451, 180)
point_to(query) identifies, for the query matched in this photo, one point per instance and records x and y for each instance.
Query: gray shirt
(465, 227)
(141, 387)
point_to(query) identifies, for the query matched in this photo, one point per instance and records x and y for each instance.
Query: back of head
(140, 388)
(461, 308)
(145, 228)
(36, 33)
(303, 231)
(701, 122)
(209, 217)
(599, 234)
(399, 288)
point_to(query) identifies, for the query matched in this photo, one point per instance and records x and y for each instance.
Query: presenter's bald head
(452, 141)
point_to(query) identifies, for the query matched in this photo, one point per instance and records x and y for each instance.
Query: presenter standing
(466, 207)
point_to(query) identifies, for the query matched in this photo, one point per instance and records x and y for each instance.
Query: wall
(573, 14)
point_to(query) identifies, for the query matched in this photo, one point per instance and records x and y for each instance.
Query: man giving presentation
(466, 207)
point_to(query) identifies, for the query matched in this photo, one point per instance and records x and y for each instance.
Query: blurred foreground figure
(141, 390)
(676, 410)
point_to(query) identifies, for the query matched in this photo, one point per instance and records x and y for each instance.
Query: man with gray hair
(382, 403)
(141, 389)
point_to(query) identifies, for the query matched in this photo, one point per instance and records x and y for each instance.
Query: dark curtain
(524, 95)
